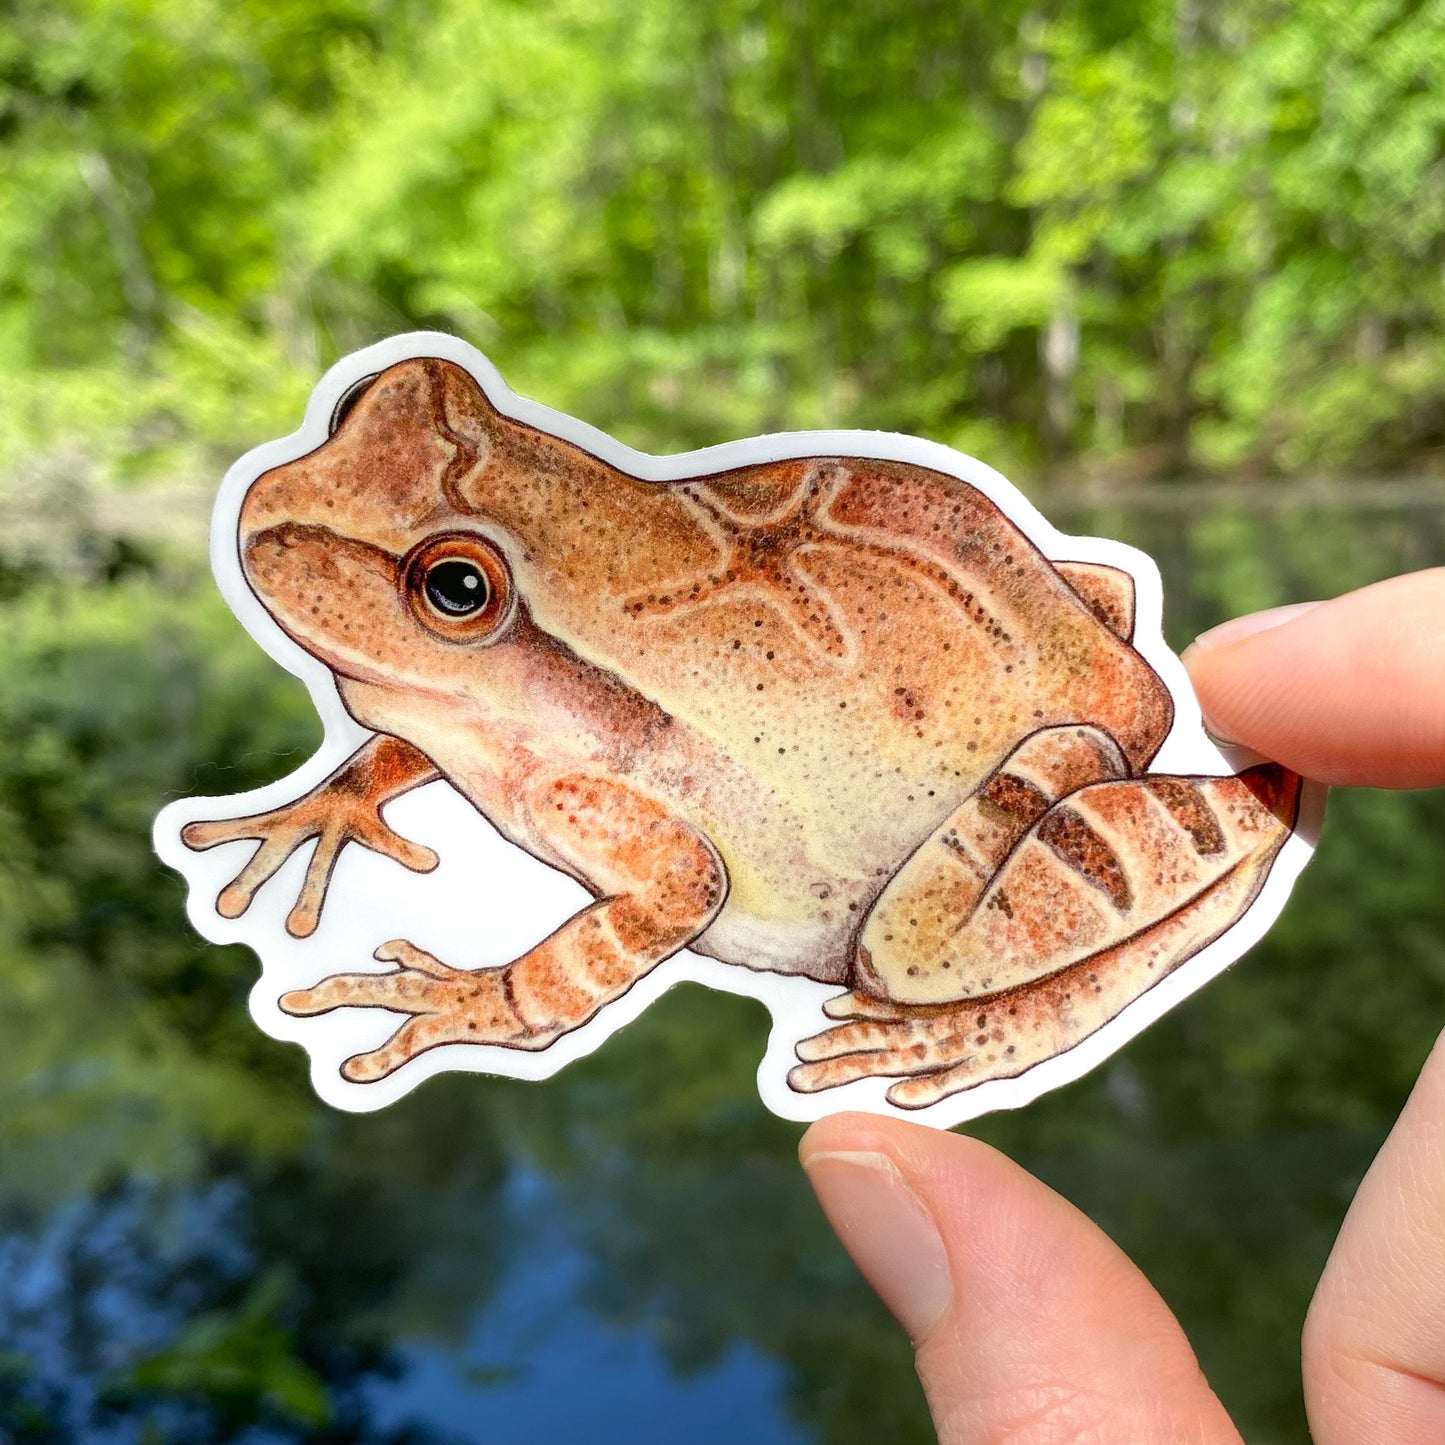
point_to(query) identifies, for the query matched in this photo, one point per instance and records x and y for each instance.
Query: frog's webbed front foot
(1109, 891)
(346, 808)
(447, 1006)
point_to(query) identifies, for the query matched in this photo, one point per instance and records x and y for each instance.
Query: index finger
(1350, 691)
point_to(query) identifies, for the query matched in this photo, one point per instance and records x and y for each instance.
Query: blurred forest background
(1177, 267)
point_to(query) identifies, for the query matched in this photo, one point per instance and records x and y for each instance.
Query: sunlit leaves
(691, 221)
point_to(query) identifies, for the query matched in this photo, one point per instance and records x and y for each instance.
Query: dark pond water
(192, 1249)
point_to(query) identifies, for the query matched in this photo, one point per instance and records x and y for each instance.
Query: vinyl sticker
(835, 720)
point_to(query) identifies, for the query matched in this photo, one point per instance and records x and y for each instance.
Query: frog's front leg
(346, 808)
(661, 884)
(1106, 893)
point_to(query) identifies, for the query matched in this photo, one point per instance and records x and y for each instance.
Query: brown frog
(830, 716)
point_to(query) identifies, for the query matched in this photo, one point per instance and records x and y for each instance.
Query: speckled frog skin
(828, 716)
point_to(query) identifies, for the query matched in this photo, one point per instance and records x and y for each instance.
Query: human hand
(1030, 1326)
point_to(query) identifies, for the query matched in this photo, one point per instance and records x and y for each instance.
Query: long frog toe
(414, 1038)
(859, 1005)
(911, 1041)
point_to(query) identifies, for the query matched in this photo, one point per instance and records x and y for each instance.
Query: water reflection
(192, 1250)
(542, 1362)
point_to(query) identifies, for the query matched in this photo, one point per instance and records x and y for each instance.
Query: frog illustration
(827, 715)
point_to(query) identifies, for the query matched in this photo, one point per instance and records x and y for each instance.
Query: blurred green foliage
(1103, 238)
(1099, 233)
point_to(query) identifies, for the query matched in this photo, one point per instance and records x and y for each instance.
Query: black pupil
(457, 588)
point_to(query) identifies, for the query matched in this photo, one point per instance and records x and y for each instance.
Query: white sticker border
(793, 1001)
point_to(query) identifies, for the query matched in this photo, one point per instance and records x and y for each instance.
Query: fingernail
(888, 1233)
(1238, 628)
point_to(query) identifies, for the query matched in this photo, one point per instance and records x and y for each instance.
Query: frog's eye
(346, 404)
(459, 587)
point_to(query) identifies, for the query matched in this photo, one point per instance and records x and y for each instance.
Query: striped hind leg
(904, 949)
(1107, 893)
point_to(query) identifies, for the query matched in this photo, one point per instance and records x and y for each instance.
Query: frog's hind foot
(940, 1049)
(447, 1006)
(1146, 870)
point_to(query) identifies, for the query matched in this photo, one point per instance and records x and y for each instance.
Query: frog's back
(867, 639)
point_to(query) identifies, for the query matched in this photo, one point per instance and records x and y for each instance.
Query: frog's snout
(298, 495)
(303, 555)
(332, 594)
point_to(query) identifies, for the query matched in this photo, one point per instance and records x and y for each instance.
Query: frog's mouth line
(329, 551)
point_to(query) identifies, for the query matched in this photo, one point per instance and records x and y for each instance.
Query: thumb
(1347, 691)
(1029, 1324)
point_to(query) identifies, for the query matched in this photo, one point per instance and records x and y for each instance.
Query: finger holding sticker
(1030, 1326)
(1349, 691)
(835, 719)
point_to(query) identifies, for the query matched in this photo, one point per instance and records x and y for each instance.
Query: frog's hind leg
(904, 947)
(1106, 894)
